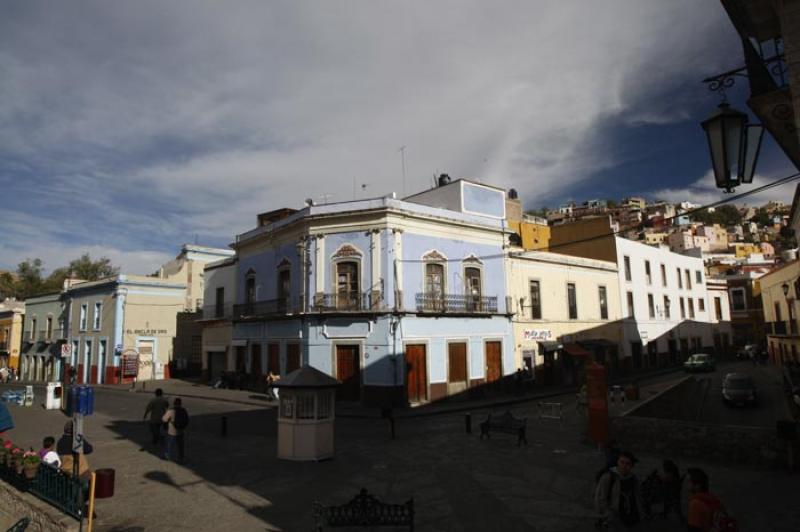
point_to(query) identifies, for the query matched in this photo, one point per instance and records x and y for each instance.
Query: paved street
(458, 482)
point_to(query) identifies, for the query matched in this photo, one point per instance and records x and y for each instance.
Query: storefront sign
(146, 332)
(130, 365)
(537, 335)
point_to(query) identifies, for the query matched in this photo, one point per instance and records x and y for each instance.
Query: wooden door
(274, 358)
(348, 371)
(255, 362)
(416, 373)
(457, 368)
(292, 357)
(494, 361)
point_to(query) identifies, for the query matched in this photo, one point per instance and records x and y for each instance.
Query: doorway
(494, 362)
(348, 371)
(416, 373)
(457, 368)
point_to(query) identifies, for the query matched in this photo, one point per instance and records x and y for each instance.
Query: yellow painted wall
(534, 236)
(14, 339)
(589, 238)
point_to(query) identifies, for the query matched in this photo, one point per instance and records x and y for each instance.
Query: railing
(347, 302)
(268, 307)
(51, 485)
(456, 303)
(219, 312)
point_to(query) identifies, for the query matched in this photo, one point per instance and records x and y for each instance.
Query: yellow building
(780, 290)
(534, 233)
(12, 317)
(745, 249)
(655, 239)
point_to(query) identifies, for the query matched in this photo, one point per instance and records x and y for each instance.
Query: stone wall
(44, 518)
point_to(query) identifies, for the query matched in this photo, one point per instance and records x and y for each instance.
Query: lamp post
(734, 145)
(785, 287)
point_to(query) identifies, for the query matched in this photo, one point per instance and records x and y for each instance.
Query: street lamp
(734, 146)
(785, 289)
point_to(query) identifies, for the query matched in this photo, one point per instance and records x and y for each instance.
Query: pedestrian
(706, 511)
(618, 496)
(177, 419)
(272, 391)
(64, 445)
(156, 409)
(4, 374)
(47, 453)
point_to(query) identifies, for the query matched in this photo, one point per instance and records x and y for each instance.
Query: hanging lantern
(734, 145)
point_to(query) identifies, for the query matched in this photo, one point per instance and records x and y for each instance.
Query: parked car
(699, 362)
(739, 389)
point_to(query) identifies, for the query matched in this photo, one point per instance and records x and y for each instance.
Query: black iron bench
(505, 423)
(364, 511)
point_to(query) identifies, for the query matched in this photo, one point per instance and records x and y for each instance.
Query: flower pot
(30, 470)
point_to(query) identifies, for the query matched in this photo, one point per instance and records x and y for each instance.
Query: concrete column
(398, 268)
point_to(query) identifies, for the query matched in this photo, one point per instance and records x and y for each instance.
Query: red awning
(576, 350)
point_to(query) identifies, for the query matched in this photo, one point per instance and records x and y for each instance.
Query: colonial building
(780, 290)
(402, 301)
(663, 294)
(12, 316)
(45, 333)
(566, 314)
(218, 350)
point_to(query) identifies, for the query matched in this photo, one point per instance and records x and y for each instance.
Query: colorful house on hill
(404, 301)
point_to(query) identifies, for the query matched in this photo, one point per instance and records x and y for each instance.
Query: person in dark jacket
(64, 445)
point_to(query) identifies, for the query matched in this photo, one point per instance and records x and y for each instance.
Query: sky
(129, 128)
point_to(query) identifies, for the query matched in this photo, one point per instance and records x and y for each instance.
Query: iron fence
(351, 301)
(268, 307)
(50, 485)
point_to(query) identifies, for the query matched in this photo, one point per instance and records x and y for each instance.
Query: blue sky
(129, 128)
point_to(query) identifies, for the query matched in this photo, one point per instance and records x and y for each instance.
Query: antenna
(402, 151)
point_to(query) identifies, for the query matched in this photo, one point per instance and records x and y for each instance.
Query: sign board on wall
(537, 335)
(130, 364)
(66, 350)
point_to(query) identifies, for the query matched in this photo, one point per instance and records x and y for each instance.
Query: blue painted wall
(359, 240)
(265, 265)
(484, 200)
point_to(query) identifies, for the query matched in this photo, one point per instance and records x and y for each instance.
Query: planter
(30, 470)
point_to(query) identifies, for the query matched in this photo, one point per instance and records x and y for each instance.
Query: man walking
(156, 408)
(177, 419)
(618, 496)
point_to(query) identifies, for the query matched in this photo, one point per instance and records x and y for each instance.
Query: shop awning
(576, 350)
(548, 346)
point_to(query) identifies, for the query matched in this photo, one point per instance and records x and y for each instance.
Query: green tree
(762, 217)
(29, 281)
(91, 270)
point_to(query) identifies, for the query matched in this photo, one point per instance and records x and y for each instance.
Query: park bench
(364, 511)
(505, 423)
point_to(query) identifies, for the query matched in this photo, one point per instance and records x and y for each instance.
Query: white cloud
(174, 118)
(704, 191)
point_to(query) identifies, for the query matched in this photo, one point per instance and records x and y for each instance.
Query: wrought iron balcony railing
(216, 312)
(460, 303)
(777, 327)
(268, 307)
(347, 302)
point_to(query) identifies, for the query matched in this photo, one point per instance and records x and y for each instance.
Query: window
(603, 302)
(250, 288)
(683, 310)
(84, 311)
(631, 312)
(718, 308)
(284, 287)
(627, 261)
(701, 304)
(305, 406)
(472, 288)
(666, 307)
(691, 308)
(324, 405)
(573, 301)
(49, 330)
(647, 274)
(536, 301)
(778, 316)
(33, 329)
(347, 289)
(98, 311)
(680, 279)
(219, 303)
(663, 275)
(651, 306)
(698, 277)
(434, 286)
(688, 280)
(737, 299)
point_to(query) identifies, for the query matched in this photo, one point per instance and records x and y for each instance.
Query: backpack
(181, 419)
(720, 520)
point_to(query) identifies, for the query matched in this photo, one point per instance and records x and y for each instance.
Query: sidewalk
(195, 390)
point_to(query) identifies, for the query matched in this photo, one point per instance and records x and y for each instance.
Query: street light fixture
(734, 146)
(785, 289)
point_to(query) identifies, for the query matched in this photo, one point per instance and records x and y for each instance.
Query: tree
(761, 218)
(29, 280)
(87, 269)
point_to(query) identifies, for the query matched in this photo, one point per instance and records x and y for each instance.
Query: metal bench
(364, 511)
(505, 423)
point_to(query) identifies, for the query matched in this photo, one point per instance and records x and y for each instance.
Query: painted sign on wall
(537, 335)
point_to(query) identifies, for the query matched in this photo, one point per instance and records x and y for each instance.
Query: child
(48, 454)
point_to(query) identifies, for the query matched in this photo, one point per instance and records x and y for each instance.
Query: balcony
(265, 308)
(216, 312)
(347, 302)
(456, 303)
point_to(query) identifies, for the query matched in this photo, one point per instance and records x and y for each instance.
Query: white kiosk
(306, 415)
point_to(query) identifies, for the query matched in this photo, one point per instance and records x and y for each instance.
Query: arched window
(284, 288)
(472, 288)
(434, 286)
(250, 287)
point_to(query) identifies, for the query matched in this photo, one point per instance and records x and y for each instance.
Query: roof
(307, 377)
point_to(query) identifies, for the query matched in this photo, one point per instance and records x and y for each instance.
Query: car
(739, 389)
(699, 362)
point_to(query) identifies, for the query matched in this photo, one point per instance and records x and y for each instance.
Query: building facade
(12, 318)
(780, 290)
(45, 333)
(566, 314)
(218, 350)
(402, 301)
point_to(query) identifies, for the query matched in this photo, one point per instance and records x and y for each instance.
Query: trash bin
(53, 396)
(632, 391)
(104, 483)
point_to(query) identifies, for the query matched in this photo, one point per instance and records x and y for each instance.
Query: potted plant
(30, 464)
(15, 459)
